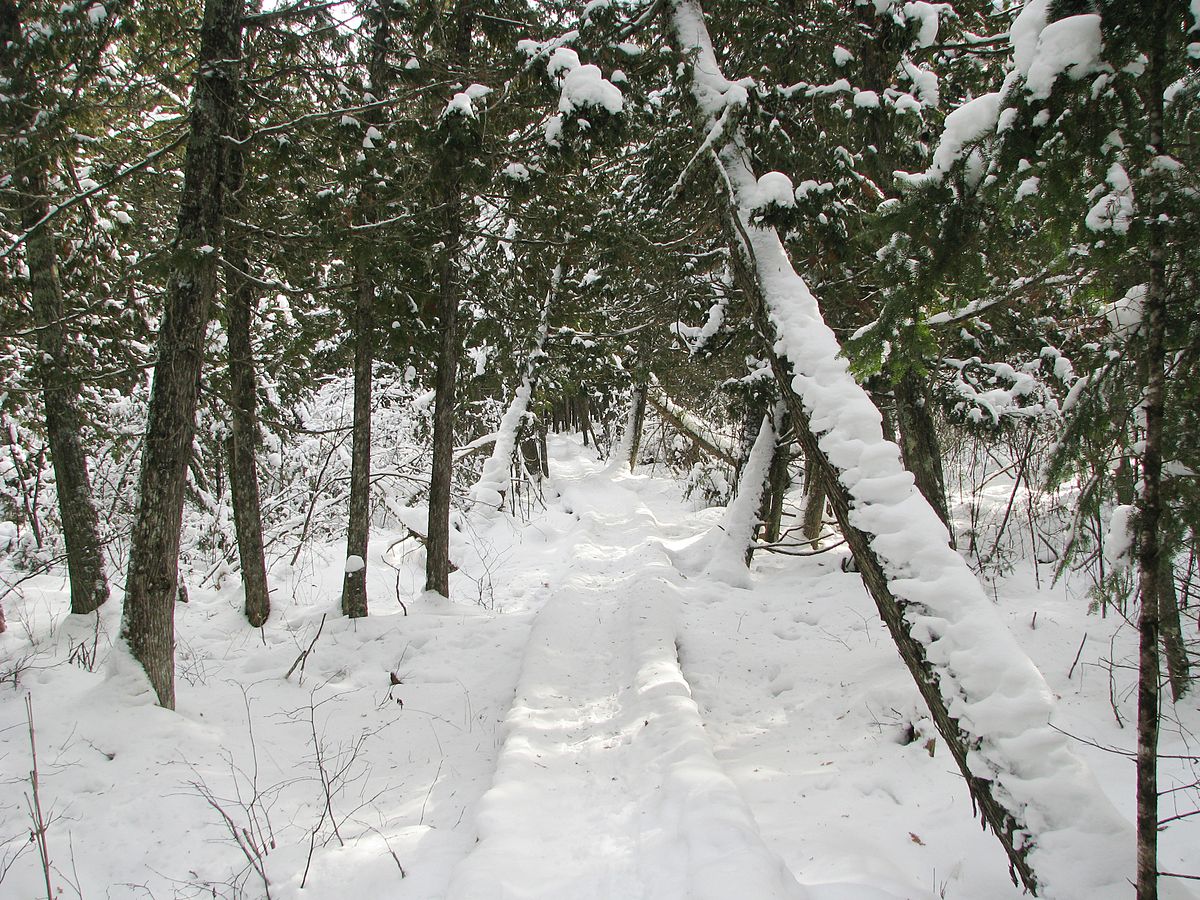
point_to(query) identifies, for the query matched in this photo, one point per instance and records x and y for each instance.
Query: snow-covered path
(580, 722)
(607, 785)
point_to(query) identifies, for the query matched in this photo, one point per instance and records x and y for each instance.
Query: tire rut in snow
(607, 787)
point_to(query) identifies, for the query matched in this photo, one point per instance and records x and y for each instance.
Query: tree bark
(148, 621)
(919, 445)
(779, 478)
(448, 176)
(1150, 495)
(814, 503)
(240, 301)
(1175, 650)
(689, 431)
(358, 527)
(59, 379)
(637, 420)
(354, 581)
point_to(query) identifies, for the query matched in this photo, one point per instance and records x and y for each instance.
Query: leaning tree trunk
(944, 626)
(448, 175)
(240, 301)
(495, 480)
(148, 621)
(59, 380)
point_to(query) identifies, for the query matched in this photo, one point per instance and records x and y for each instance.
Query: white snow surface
(769, 751)
(604, 734)
(989, 685)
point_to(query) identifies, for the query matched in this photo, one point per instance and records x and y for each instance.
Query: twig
(1077, 655)
(40, 824)
(302, 659)
(421, 821)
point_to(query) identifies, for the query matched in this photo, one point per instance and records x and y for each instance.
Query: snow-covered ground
(582, 721)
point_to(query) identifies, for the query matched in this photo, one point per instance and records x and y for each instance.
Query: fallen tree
(986, 698)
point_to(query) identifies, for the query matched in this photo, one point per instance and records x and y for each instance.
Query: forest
(689, 449)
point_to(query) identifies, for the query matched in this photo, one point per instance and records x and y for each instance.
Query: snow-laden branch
(1062, 835)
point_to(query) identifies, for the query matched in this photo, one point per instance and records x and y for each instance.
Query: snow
(925, 82)
(1115, 210)
(866, 99)
(774, 189)
(585, 87)
(1125, 314)
(459, 105)
(781, 751)
(1071, 45)
(1028, 187)
(926, 15)
(841, 56)
(354, 563)
(662, 819)
(516, 171)
(1118, 541)
(968, 123)
(1025, 31)
(720, 554)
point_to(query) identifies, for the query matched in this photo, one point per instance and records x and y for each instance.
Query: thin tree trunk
(779, 479)
(1175, 650)
(814, 503)
(1150, 499)
(448, 176)
(919, 445)
(240, 301)
(358, 526)
(679, 418)
(354, 580)
(637, 420)
(148, 621)
(59, 381)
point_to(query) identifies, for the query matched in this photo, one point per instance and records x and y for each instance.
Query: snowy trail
(607, 785)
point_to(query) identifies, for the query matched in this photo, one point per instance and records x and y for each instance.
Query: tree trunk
(59, 381)
(1175, 650)
(240, 302)
(919, 444)
(358, 527)
(1150, 500)
(814, 503)
(779, 479)
(637, 420)
(354, 580)
(148, 622)
(679, 418)
(833, 419)
(448, 176)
